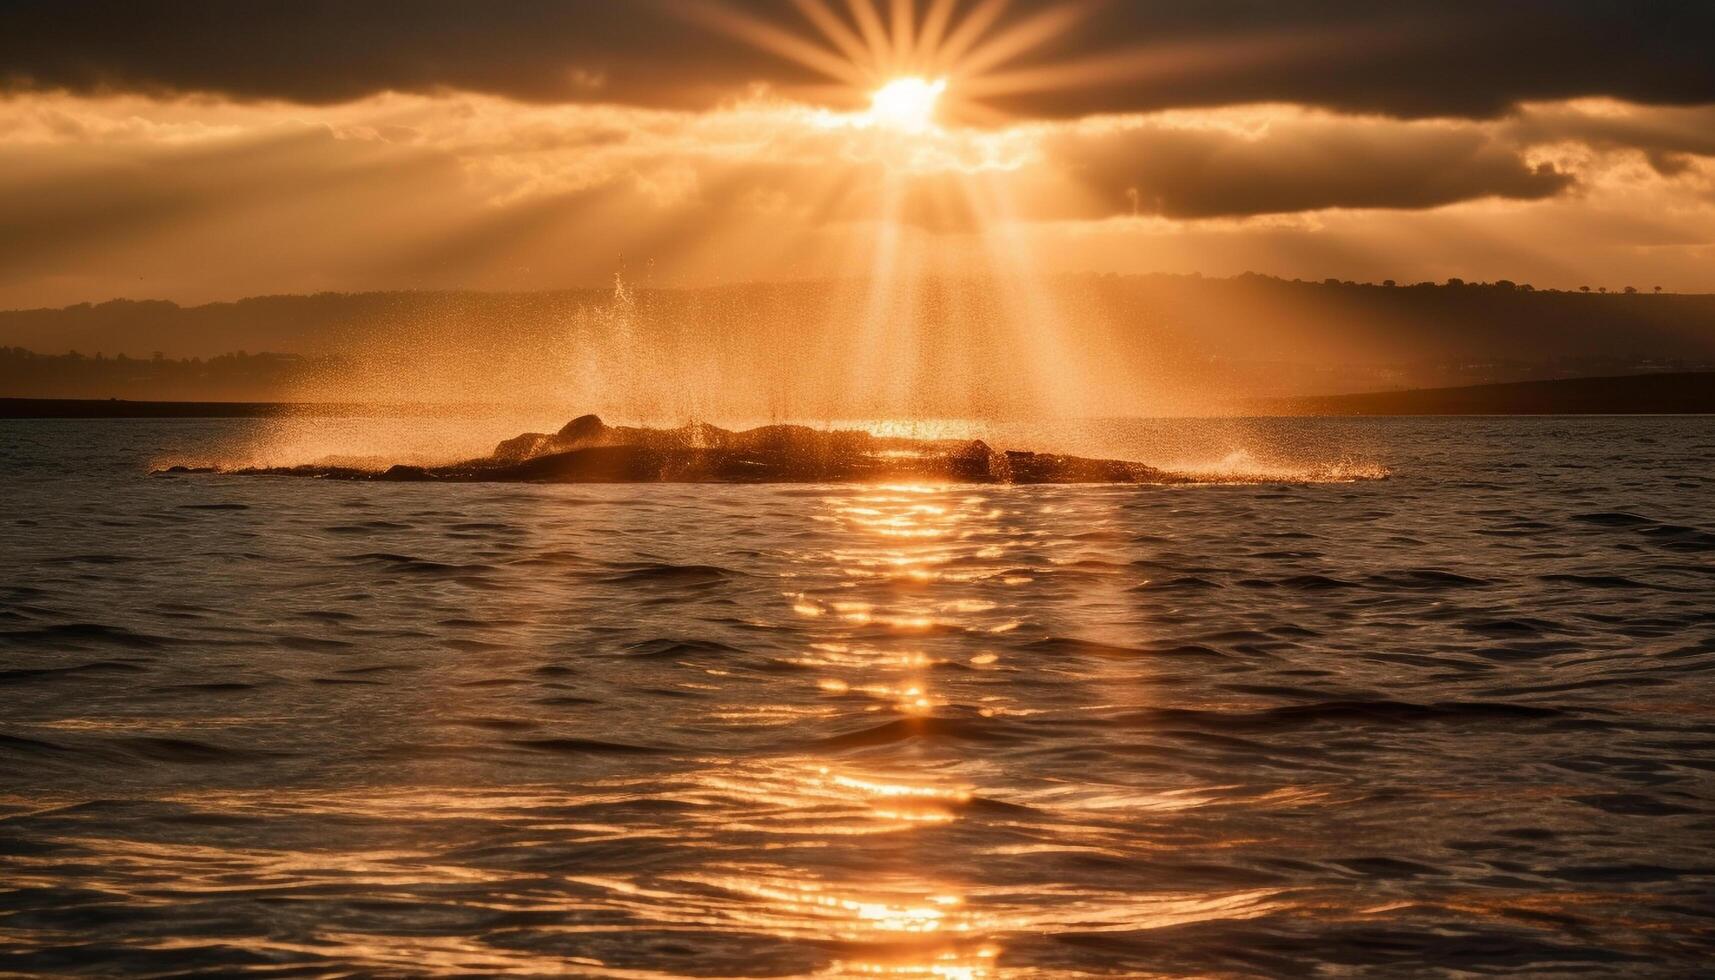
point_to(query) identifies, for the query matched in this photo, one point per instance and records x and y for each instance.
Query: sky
(199, 150)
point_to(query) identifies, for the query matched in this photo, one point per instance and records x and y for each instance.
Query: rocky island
(588, 450)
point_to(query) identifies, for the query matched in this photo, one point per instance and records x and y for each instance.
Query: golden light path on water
(904, 535)
(928, 549)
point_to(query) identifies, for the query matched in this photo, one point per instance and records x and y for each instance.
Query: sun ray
(876, 43)
(934, 28)
(777, 40)
(1139, 64)
(1019, 38)
(1032, 317)
(969, 30)
(873, 31)
(904, 30)
(922, 207)
(837, 31)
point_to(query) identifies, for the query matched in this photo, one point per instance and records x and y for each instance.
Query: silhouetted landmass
(1652, 394)
(586, 450)
(1159, 343)
(239, 377)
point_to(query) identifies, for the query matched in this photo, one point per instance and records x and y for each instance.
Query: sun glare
(907, 104)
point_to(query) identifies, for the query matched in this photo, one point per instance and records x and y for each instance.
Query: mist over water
(983, 349)
(936, 359)
(1453, 721)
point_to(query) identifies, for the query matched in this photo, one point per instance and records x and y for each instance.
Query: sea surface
(1460, 720)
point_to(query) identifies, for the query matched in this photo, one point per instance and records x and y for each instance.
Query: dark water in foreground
(1459, 720)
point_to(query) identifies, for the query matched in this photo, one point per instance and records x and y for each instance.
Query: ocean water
(1460, 720)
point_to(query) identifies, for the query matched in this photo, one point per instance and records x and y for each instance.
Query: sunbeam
(943, 489)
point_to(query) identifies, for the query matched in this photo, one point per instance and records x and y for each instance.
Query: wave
(666, 648)
(22, 675)
(666, 573)
(1424, 578)
(1613, 519)
(1358, 712)
(1073, 646)
(583, 746)
(82, 635)
(931, 728)
(185, 751)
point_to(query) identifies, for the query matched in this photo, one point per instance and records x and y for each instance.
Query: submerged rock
(588, 450)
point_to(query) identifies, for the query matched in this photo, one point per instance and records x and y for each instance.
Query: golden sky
(197, 151)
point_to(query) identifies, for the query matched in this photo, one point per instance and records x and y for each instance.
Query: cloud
(1408, 58)
(1668, 137)
(194, 198)
(1295, 162)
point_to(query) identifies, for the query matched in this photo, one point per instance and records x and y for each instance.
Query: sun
(907, 105)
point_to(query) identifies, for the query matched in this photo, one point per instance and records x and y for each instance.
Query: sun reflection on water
(902, 572)
(903, 603)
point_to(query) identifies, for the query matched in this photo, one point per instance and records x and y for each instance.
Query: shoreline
(1679, 393)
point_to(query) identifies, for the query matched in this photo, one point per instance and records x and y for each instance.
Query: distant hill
(118, 408)
(1641, 394)
(1651, 394)
(228, 377)
(1127, 344)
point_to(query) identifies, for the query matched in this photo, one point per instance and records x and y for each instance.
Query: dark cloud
(1660, 133)
(1409, 58)
(1406, 58)
(324, 51)
(1297, 165)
